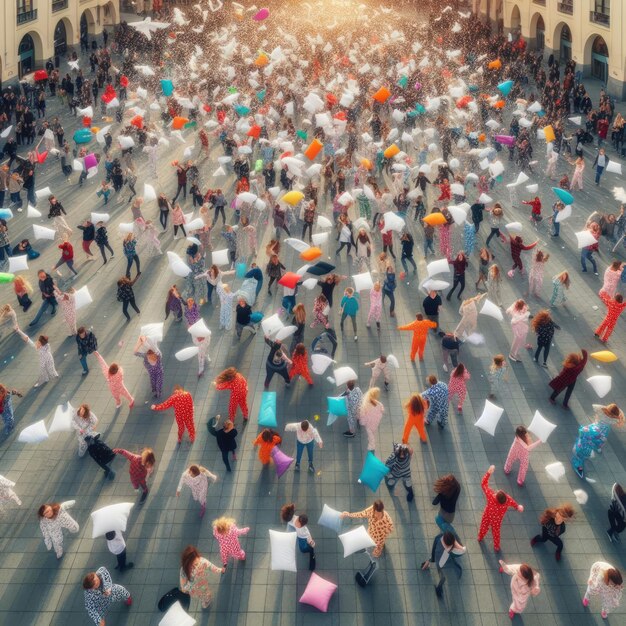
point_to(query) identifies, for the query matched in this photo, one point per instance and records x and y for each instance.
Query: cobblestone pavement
(35, 588)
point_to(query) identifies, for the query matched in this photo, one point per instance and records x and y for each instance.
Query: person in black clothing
(226, 438)
(325, 342)
(477, 214)
(125, 294)
(446, 549)
(407, 251)
(101, 454)
(269, 174)
(276, 363)
(181, 178)
(89, 235)
(460, 264)
(328, 286)
(10, 150)
(102, 240)
(450, 346)
(46, 286)
(553, 526)
(448, 490)
(431, 304)
(243, 313)
(617, 513)
(87, 344)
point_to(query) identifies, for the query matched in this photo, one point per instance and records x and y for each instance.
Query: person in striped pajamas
(399, 464)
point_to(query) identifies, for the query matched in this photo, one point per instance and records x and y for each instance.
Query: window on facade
(24, 6)
(599, 47)
(603, 6)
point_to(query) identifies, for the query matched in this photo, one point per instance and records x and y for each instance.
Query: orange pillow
(436, 219)
(311, 254)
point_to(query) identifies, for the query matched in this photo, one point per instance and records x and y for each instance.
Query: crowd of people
(411, 127)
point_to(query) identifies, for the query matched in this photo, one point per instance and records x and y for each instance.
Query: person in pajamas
(182, 402)
(416, 407)
(420, 329)
(553, 526)
(231, 379)
(266, 440)
(457, 386)
(197, 478)
(300, 364)
(573, 365)
(494, 285)
(140, 467)
(227, 533)
(612, 277)
(517, 247)
(524, 584)
(399, 464)
(379, 526)
(114, 375)
(67, 304)
(376, 305)
(519, 314)
(371, 414)
(559, 284)
(6, 408)
(606, 582)
(448, 490)
(100, 592)
(354, 398)
(469, 316)
(306, 437)
(53, 518)
(497, 504)
(227, 297)
(174, 304)
(7, 494)
(320, 311)
(191, 311)
(444, 545)
(437, 397)
(47, 371)
(84, 422)
(544, 326)
(380, 366)
(535, 276)
(592, 438)
(520, 451)
(616, 513)
(614, 308)
(153, 362)
(203, 344)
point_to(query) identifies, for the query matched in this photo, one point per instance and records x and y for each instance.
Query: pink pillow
(289, 280)
(318, 593)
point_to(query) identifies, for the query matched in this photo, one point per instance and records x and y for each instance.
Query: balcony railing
(26, 16)
(600, 18)
(565, 7)
(59, 5)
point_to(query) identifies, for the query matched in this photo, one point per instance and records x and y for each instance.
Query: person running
(194, 579)
(524, 584)
(606, 582)
(553, 526)
(53, 518)
(182, 402)
(227, 533)
(520, 451)
(379, 527)
(233, 380)
(197, 479)
(100, 592)
(140, 467)
(573, 366)
(437, 397)
(617, 513)
(614, 308)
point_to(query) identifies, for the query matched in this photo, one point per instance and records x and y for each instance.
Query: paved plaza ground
(35, 588)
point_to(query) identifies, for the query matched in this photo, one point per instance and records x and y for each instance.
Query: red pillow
(289, 280)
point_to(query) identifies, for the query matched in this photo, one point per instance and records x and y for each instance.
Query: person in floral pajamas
(7, 494)
(194, 575)
(227, 533)
(114, 376)
(520, 451)
(53, 518)
(300, 364)
(67, 303)
(380, 524)
(614, 308)
(524, 584)
(497, 504)
(141, 466)
(197, 478)
(6, 407)
(437, 397)
(457, 386)
(231, 379)
(182, 402)
(606, 582)
(152, 361)
(84, 422)
(47, 370)
(100, 592)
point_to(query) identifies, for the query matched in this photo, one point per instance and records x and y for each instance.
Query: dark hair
(566, 511)
(110, 535)
(350, 385)
(303, 519)
(81, 329)
(614, 576)
(526, 572)
(378, 506)
(300, 349)
(287, 511)
(43, 340)
(521, 432)
(448, 538)
(419, 317)
(500, 496)
(227, 375)
(415, 404)
(459, 370)
(189, 555)
(56, 507)
(304, 424)
(432, 379)
(267, 435)
(194, 470)
(447, 485)
(90, 580)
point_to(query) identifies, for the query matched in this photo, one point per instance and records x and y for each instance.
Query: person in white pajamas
(47, 371)
(84, 422)
(7, 495)
(196, 478)
(53, 518)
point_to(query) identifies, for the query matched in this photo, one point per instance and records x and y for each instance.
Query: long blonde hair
(370, 397)
(223, 524)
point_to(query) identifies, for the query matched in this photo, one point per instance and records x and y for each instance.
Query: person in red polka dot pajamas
(227, 534)
(497, 504)
(231, 379)
(614, 308)
(182, 402)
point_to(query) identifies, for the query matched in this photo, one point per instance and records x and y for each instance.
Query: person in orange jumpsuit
(266, 440)
(182, 402)
(614, 308)
(420, 333)
(416, 408)
(300, 364)
(231, 379)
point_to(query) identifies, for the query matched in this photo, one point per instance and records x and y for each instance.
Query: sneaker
(356, 338)
(311, 468)
(580, 472)
(445, 367)
(144, 495)
(296, 467)
(129, 601)
(513, 359)
(585, 601)
(348, 434)
(85, 372)
(544, 365)
(511, 614)
(439, 591)
(110, 474)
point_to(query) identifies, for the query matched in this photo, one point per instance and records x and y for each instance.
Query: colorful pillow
(267, 410)
(318, 592)
(374, 470)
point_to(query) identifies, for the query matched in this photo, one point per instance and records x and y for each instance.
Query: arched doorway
(87, 27)
(60, 39)
(538, 31)
(110, 14)
(565, 44)
(600, 59)
(26, 56)
(516, 18)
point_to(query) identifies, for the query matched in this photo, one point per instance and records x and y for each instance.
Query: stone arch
(562, 42)
(87, 23)
(515, 22)
(537, 30)
(29, 52)
(63, 27)
(597, 57)
(110, 16)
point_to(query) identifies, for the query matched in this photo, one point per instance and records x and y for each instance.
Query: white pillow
(458, 214)
(355, 540)
(82, 298)
(220, 257)
(490, 417)
(42, 194)
(392, 221)
(441, 266)
(495, 169)
(393, 360)
(126, 142)
(285, 332)
(35, 433)
(31, 211)
(320, 363)
(187, 353)
(283, 550)
(18, 263)
(600, 384)
(581, 496)
(153, 331)
(534, 188)
(180, 268)
(199, 329)
(297, 244)
(562, 215)
(432, 284)
(330, 519)
(319, 239)
(149, 193)
(324, 222)
(614, 167)
(195, 224)
(126, 227)
(246, 197)
(344, 374)
(100, 217)
(109, 518)
(541, 427)
(41, 232)
(585, 238)
(309, 283)
(458, 190)
(62, 420)
(177, 616)
(271, 325)
(556, 470)
(363, 281)
(514, 227)
(492, 310)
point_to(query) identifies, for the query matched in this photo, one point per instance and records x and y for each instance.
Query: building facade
(591, 32)
(34, 31)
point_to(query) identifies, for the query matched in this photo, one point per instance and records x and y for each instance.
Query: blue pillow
(256, 317)
(267, 410)
(374, 470)
(240, 270)
(337, 406)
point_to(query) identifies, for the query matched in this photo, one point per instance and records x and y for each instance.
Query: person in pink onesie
(67, 303)
(519, 313)
(524, 584)
(376, 305)
(497, 504)
(458, 385)
(227, 534)
(197, 479)
(370, 415)
(520, 451)
(612, 276)
(114, 376)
